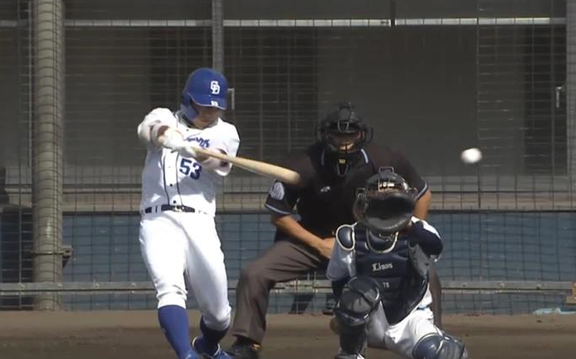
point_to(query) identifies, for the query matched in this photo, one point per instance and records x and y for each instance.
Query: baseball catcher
(379, 274)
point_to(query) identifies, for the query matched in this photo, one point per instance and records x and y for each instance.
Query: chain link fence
(432, 78)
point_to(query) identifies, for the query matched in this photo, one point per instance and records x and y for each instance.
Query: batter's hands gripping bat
(260, 168)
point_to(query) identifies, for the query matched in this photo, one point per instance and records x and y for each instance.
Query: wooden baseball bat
(260, 168)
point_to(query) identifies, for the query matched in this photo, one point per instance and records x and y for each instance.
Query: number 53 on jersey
(190, 168)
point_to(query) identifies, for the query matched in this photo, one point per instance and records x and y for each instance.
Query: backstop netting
(432, 78)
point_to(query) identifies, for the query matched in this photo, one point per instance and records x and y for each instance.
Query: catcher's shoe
(245, 350)
(198, 345)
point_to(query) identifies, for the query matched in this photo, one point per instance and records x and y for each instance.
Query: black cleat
(241, 350)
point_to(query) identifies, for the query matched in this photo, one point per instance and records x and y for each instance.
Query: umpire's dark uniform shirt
(324, 200)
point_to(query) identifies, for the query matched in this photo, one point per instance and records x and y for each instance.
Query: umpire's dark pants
(283, 262)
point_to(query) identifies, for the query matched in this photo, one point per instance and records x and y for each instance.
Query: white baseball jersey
(169, 178)
(182, 249)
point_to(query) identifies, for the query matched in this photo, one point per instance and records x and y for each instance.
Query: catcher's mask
(384, 206)
(343, 134)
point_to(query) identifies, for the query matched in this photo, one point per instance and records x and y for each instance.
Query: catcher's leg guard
(437, 346)
(359, 298)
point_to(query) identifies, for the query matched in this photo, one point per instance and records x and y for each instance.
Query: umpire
(332, 170)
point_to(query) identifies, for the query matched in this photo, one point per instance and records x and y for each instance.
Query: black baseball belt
(168, 207)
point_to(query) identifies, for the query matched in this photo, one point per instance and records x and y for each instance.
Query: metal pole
(47, 169)
(218, 35)
(571, 90)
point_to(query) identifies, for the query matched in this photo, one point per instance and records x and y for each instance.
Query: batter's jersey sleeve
(227, 142)
(157, 117)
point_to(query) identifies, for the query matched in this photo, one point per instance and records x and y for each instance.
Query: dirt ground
(134, 335)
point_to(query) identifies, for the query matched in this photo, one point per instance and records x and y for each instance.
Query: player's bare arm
(423, 204)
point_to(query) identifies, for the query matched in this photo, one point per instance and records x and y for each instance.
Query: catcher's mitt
(386, 205)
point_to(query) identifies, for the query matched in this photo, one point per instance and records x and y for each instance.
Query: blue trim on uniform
(322, 160)
(177, 179)
(164, 175)
(178, 124)
(276, 209)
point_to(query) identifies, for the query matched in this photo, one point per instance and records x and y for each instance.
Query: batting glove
(188, 149)
(171, 139)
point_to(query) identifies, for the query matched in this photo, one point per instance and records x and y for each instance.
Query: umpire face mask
(343, 134)
(343, 147)
(344, 137)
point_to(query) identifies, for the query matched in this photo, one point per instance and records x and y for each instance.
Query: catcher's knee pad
(437, 346)
(359, 298)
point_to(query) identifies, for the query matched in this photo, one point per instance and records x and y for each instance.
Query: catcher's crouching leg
(438, 346)
(359, 298)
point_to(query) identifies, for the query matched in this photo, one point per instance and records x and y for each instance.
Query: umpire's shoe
(245, 350)
(199, 347)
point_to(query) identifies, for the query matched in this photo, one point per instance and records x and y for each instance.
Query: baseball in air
(471, 155)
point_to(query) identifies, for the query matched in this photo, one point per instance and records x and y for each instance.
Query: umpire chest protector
(325, 201)
(402, 283)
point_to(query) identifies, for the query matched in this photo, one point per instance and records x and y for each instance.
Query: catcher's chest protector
(402, 285)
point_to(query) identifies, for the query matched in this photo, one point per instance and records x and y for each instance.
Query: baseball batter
(379, 273)
(178, 237)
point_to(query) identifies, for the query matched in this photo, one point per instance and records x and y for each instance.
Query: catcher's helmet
(205, 87)
(385, 206)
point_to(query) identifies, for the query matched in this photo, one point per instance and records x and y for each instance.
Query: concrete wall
(308, 9)
(108, 94)
(9, 93)
(416, 86)
(8, 9)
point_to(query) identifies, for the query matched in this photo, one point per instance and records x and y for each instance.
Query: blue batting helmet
(206, 87)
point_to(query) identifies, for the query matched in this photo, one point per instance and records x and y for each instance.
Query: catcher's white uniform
(177, 231)
(418, 323)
